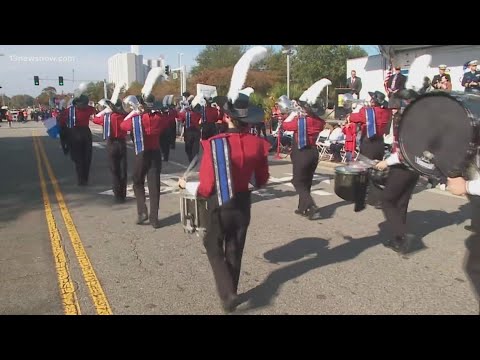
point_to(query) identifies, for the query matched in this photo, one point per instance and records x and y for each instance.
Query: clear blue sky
(89, 62)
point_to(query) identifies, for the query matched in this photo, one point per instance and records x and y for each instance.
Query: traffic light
(167, 70)
(60, 80)
(36, 80)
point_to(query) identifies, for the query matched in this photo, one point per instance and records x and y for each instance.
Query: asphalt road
(71, 250)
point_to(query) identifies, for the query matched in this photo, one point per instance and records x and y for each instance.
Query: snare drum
(439, 133)
(351, 184)
(193, 213)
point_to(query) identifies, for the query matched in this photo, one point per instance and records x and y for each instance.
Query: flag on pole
(52, 127)
(387, 77)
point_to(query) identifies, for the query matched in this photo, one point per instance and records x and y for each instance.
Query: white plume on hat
(116, 92)
(417, 72)
(311, 94)
(247, 91)
(165, 100)
(152, 78)
(198, 100)
(240, 70)
(80, 90)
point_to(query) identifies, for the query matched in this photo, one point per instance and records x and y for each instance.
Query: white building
(126, 68)
(372, 69)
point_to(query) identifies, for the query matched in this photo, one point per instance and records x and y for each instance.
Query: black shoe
(231, 304)
(405, 243)
(155, 223)
(394, 244)
(313, 213)
(301, 213)
(142, 218)
(120, 199)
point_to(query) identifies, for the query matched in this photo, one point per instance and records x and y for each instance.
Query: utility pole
(105, 88)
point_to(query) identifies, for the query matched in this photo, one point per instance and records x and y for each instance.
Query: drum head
(441, 125)
(350, 170)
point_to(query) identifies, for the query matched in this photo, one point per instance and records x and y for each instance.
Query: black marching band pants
(117, 157)
(304, 163)
(374, 149)
(165, 144)
(208, 130)
(192, 142)
(79, 141)
(147, 164)
(395, 198)
(226, 231)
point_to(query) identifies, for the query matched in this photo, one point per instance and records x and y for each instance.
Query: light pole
(288, 50)
(181, 72)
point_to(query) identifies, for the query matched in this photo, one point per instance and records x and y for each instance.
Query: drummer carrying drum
(400, 183)
(230, 161)
(374, 120)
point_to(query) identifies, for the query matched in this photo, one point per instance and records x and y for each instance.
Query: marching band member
(166, 136)
(459, 186)
(396, 195)
(209, 116)
(172, 114)
(304, 160)
(230, 162)
(111, 120)
(74, 123)
(306, 126)
(145, 129)
(191, 122)
(373, 120)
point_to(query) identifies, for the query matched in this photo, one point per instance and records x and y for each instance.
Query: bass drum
(439, 134)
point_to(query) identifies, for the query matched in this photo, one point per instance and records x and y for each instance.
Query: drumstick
(190, 167)
(366, 160)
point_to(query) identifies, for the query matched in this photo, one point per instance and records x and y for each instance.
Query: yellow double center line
(67, 288)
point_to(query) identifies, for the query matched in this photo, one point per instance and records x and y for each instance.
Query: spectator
(350, 132)
(437, 79)
(395, 84)
(355, 84)
(336, 140)
(427, 87)
(471, 79)
(445, 83)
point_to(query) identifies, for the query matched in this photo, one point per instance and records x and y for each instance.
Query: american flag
(387, 77)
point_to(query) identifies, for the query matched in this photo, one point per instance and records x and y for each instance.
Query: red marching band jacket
(230, 162)
(111, 125)
(76, 117)
(382, 116)
(306, 129)
(146, 129)
(190, 119)
(212, 115)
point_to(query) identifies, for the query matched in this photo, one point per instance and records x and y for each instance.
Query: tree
(49, 90)
(217, 56)
(314, 62)
(134, 89)
(21, 101)
(95, 91)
